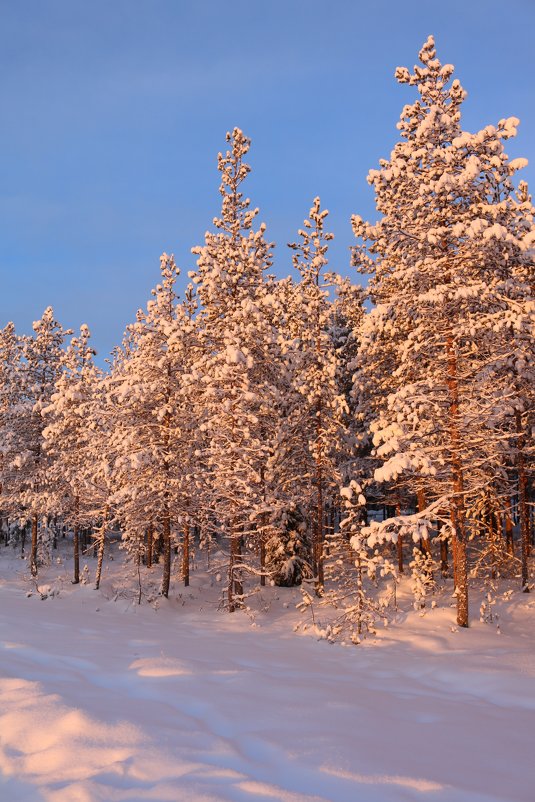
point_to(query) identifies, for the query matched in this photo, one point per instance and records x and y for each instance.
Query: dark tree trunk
(101, 547)
(150, 542)
(522, 503)
(444, 567)
(76, 553)
(33, 552)
(185, 555)
(460, 566)
(76, 543)
(235, 586)
(509, 542)
(399, 544)
(262, 562)
(166, 580)
(262, 538)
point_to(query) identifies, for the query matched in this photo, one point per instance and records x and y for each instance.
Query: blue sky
(113, 113)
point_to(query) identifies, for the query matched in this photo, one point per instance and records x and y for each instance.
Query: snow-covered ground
(103, 700)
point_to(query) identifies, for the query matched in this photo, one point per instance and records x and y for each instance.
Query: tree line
(312, 437)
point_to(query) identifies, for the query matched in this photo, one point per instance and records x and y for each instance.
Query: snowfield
(102, 700)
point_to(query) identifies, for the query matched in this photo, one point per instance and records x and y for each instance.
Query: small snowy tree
(315, 376)
(68, 440)
(151, 439)
(27, 464)
(11, 389)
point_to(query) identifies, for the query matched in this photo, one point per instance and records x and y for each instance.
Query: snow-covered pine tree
(184, 347)
(346, 323)
(315, 377)
(506, 378)
(235, 377)
(281, 520)
(151, 439)
(102, 477)
(27, 465)
(10, 396)
(68, 441)
(442, 281)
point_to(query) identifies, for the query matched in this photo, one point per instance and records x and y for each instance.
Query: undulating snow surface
(103, 700)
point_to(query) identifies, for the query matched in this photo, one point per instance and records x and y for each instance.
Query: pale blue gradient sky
(113, 113)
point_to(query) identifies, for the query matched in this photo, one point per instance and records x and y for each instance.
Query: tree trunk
(319, 534)
(185, 555)
(76, 543)
(33, 552)
(522, 503)
(166, 579)
(262, 561)
(492, 534)
(426, 543)
(263, 529)
(444, 567)
(509, 542)
(139, 587)
(235, 586)
(150, 541)
(460, 568)
(76, 554)
(399, 544)
(101, 546)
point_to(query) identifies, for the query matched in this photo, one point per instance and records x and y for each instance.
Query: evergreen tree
(315, 376)
(68, 440)
(447, 273)
(27, 464)
(11, 384)
(151, 435)
(236, 374)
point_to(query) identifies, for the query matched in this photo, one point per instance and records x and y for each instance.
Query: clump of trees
(312, 441)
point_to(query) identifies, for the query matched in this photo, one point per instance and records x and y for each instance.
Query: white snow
(102, 700)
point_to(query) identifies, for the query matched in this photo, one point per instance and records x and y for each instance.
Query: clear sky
(113, 112)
